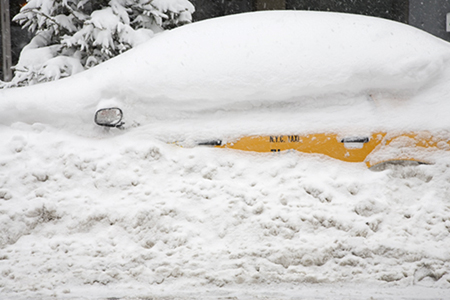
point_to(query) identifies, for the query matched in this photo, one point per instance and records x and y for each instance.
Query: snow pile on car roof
(285, 54)
(245, 61)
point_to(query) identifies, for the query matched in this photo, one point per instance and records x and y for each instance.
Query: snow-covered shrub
(72, 35)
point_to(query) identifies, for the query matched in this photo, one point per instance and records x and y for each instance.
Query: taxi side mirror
(109, 117)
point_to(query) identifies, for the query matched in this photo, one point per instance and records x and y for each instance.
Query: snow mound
(284, 55)
(125, 217)
(243, 62)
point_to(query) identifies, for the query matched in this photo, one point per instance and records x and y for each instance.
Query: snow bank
(126, 216)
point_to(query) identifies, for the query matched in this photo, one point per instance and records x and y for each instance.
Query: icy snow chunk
(18, 143)
(5, 194)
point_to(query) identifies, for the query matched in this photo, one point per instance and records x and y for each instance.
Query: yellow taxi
(373, 150)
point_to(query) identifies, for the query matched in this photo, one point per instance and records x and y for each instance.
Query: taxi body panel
(408, 146)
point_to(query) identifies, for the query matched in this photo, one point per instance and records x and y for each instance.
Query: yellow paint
(332, 145)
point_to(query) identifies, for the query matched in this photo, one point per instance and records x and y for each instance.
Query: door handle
(355, 139)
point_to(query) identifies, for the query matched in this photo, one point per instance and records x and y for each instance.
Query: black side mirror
(109, 117)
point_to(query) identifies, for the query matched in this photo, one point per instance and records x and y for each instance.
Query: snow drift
(128, 216)
(247, 61)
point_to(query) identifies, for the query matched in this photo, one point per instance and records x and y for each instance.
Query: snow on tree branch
(72, 35)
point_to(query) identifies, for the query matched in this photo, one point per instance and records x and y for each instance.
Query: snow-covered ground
(89, 213)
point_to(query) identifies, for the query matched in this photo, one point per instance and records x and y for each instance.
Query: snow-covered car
(376, 150)
(95, 212)
(355, 88)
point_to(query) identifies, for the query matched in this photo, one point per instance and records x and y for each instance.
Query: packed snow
(94, 213)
